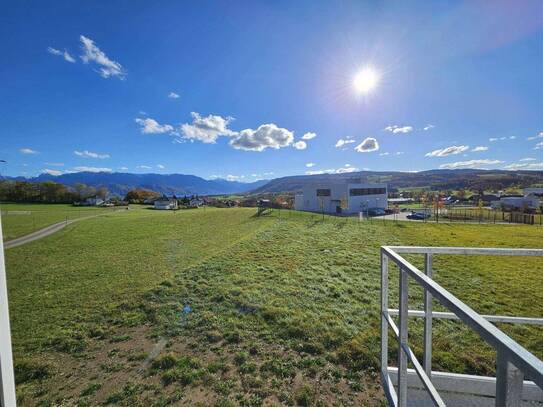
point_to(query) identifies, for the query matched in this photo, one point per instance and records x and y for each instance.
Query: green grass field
(220, 307)
(22, 219)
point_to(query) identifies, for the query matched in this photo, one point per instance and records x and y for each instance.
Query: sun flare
(366, 80)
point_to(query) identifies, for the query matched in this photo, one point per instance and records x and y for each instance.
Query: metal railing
(7, 378)
(513, 361)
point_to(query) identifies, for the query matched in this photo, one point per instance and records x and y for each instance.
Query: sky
(247, 90)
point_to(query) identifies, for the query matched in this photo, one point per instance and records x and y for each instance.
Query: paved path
(46, 231)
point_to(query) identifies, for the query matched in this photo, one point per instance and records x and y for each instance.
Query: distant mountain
(433, 179)
(179, 184)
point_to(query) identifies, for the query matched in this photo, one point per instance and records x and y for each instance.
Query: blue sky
(230, 89)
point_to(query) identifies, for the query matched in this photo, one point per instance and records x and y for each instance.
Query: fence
(513, 361)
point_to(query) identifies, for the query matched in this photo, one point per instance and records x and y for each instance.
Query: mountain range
(120, 183)
(181, 184)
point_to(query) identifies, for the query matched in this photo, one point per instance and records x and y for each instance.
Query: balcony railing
(514, 362)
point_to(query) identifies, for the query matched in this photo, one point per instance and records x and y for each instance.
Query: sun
(366, 80)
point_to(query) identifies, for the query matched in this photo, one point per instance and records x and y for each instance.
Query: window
(367, 191)
(323, 192)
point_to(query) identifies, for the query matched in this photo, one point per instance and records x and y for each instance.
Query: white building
(166, 203)
(341, 198)
(511, 203)
(534, 192)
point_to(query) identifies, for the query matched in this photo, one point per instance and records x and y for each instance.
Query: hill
(433, 179)
(120, 183)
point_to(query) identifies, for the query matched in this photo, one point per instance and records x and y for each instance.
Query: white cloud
(347, 168)
(395, 129)
(90, 154)
(27, 151)
(207, 129)
(151, 126)
(309, 165)
(479, 164)
(428, 127)
(51, 172)
(91, 169)
(369, 144)
(527, 159)
(67, 57)
(300, 145)
(230, 177)
(492, 139)
(55, 164)
(144, 167)
(512, 137)
(309, 136)
(399, 153)
(123, 168)
(342, 142)
(539, 146)
(444, 152)
(384, 154)
(173, 95)
(524, 166)
(160, 166)
(265, 136)
(540, 135)
(479, 148)
(106, 67)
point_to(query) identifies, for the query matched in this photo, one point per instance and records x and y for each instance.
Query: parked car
(419, 215)
(376, 212)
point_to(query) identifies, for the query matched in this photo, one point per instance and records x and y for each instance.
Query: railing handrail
(512, 357)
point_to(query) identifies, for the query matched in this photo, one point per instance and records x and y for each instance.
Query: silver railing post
(384, 315)
(509, 382)
(7, 379)
(402, 340)
(427, 360)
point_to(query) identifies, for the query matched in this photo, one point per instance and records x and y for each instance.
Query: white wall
(356, 203)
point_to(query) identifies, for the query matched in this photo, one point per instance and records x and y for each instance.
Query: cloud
(384, 154)
(347, 168)
(123, 168)
(512, 137)
(173, 95)
(91, 169)
(265, 136)
(51, 172)
(341, 142)
(106, 67)
(444, 152)
(428, 127)
(539, 146)
(479, 148)
(524, 166)
(492, 139)
(27, 151)
(540, 135)
(527, 159)
(160, 166)
(90, 154)
(151, 126)
(309, 165)
(309, 136)
(479, 164)
(67, 57)
(144, 167)
(300, 145)
(207, 129)
(55, 164)
(395, 129)
(368, 145)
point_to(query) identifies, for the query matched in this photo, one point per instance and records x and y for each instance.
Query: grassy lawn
(22, 219)
(219, 307)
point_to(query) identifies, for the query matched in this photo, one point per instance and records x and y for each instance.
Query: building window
(323, 192)
(367, 191)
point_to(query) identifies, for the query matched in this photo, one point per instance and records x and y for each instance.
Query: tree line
(47, 192)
